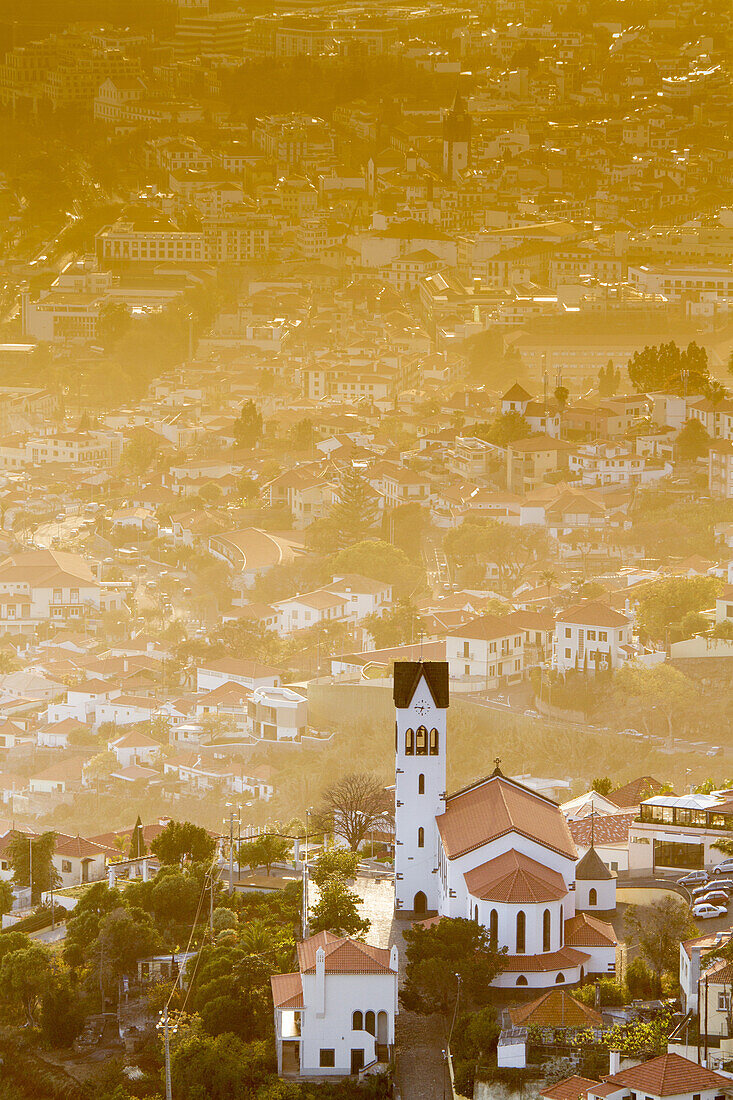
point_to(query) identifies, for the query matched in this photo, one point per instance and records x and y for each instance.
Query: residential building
(336, 1014)
(591, 636)
(487, 651)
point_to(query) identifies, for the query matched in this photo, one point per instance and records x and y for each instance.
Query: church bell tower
(421, 705)
(456, 139)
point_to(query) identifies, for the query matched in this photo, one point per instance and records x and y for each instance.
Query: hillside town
(366, 551)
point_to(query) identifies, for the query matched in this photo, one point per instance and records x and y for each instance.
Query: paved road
(420, 1066)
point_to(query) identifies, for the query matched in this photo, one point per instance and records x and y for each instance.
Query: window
(568, 632)
(722, 1002)
(421, 784)
(409, 742)
(421, 741)
(434, 742)
(602, 635)
(494, 927)
(328, 1058)
(567, 653)
(370, 1023)
(593, 896)
(66, 866)
(357, 1022)
(521, 980)
(421, 837)
(591, 635)
(560, 978)
(521, 932)
(546, 928)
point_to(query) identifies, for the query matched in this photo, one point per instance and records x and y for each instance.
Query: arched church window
(434, 742)
(546, 928)
(521, 932)
(421, 741)
(494, 927)
(593, 896)
(560, 978)
(370, 1023)
(421, 837)
(357, 1022)
(521, 980)
(421, 783)
(475, 913)
(409, 742)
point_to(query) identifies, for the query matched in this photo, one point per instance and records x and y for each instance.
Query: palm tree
(548, 578)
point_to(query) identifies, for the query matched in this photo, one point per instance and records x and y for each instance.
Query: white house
(250, 674)
(692, 965)
(669, 1075)
(125, 710)
(277, 714)
(591, 636)
(38, 586)
(308, 609)
(337, 1013)
(134, 748)
(488, 650)
(496, 852)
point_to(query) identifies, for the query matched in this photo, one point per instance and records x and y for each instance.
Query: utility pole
(211, 904)
(304, 921)
(30, 866)
(166, 1041)
(231, 852)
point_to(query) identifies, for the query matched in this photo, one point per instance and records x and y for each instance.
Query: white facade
(420, 732)
(335, 1016)
(589, 637)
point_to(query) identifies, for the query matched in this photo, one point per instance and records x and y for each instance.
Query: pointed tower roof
(407, 676)
(592, 868)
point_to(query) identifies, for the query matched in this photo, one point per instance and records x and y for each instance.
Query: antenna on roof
(592, 825)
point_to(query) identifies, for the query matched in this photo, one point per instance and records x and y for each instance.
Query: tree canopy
(438, 957)
(183, 841)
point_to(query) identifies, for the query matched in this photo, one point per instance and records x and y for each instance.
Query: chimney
(614, 1061)
(320, 982)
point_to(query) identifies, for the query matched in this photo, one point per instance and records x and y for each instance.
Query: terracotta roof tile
(542, 964)
(669, 1075)
(343, 955)
(607, 829)
(287, 990)
(582, 930)
(514, 877)
(496, 806)
(556, 1008)
(572, 1088)
(592, 613)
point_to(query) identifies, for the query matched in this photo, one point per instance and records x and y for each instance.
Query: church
(495, 852)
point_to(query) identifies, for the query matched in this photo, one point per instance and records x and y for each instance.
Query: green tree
(263, 851)
(663, 367)
(379, 561)
(337, 910)
(354, 806)
(603, 785)
(658, 929)
(62, 1014)
(125, 935)
(439, 957)
(248, 425)
(665, 604)
(355, 513)
(220, 1068)
(138, 848)
(693, 441)
(45, 875)
(609, 380)
(6, 898)
(182, 841)
(397, 626)
(507, 428)
(334, 861)
(115, 321)
(302, 436)
(661, 689)
(513, 550)
(24, 975)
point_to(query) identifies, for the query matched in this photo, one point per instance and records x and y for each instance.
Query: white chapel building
(495, 852)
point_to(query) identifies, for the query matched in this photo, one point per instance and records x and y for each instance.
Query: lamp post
(231, 848)
(30, 867)
(304, 921)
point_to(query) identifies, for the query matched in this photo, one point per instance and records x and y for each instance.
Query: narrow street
(421, 1071)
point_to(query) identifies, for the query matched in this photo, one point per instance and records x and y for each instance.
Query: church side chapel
(495, 852)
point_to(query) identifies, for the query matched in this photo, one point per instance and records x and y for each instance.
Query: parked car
(704, 889)
(692, 877)
(631, 733)
(713, 897)
(704, 911)
(725, 867)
